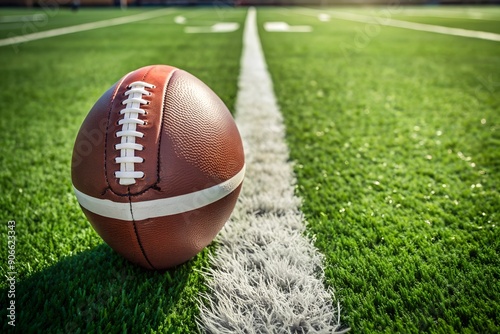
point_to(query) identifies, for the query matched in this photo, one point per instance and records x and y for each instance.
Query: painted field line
(447, 16)
(83, 27)
(416, 26)
(455, 14)
(22, 18)
(220, 27)
(266, 276)
(285, 27)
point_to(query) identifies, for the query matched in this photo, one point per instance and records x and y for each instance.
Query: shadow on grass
(98, 291)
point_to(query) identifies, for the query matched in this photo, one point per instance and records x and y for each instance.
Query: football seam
(138, 238)
(155, 185)
(129, 195)
(127, 174)
(163, 116)
(106, 135)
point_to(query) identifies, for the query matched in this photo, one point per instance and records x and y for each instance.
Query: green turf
(396, 142)
(488, 25)
(479, 12)
(68, 280)
(40, 19)
(484, 18)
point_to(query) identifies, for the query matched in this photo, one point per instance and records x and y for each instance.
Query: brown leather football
(157, 166)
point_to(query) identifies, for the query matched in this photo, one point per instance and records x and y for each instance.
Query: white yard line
(83, 27)
(266, 276)
(455, 14)
(416, 26)
(445, 16)
(22, 18)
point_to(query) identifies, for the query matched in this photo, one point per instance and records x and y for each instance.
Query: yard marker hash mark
(265, 277)
(285, 27)
(220, 27)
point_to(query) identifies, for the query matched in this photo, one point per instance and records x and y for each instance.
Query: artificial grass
(22, 21)
(396, 144)
(68, 280)
(480, 18)
(396, 149)
(487, 25)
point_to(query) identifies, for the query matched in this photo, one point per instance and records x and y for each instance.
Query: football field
(392, 119)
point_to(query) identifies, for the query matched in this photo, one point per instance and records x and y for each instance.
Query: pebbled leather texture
(190, 143)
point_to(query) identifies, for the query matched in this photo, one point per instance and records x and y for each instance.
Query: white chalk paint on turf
(83, 27)
(387, 21)
(266, 276)
(323, 17)
(285, 27)
(179, 19)
(219, 27)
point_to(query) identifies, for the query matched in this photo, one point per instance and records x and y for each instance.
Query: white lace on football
(129, 132)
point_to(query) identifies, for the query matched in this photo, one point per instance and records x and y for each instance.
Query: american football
(157, 166)
(299, 166)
